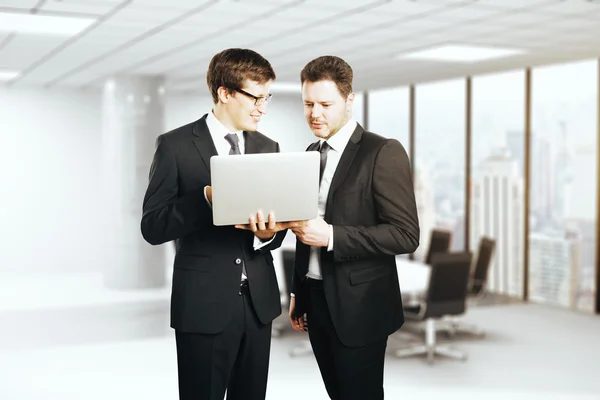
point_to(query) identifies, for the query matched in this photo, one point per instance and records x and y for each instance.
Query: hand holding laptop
(267, 230)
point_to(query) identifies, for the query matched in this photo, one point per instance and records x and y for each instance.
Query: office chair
(446, 295)
(439, 242)
(477, 286)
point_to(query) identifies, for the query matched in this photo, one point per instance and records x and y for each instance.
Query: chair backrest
(448, 284)
(480, 271)
(439, 243)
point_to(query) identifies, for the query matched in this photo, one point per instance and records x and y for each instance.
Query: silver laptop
(285, 183)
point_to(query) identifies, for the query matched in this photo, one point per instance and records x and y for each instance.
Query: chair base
(454, 327)
(431, 351)
(430, 348)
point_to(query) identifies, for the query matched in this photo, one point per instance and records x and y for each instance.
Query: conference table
(413, 277)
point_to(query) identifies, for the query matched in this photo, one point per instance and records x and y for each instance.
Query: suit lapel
(250, 144)
(343, 167)
(203, 142)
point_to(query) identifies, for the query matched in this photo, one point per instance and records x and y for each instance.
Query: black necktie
(324, 149)
(234, 141)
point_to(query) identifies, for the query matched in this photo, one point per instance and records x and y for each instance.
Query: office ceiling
(177, 38)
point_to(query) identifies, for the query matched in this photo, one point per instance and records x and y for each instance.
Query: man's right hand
(265, 230)
(299, 324)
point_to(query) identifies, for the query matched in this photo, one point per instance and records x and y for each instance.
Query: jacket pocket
(193, 262)
(368, 274)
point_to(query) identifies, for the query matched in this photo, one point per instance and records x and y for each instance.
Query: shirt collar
(217, 129)
(339, 141)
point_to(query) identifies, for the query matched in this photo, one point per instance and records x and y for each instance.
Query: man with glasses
(225, 293)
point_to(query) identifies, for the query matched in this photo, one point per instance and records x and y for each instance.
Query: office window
(357, 108)
(497, 175)
(440, 160)
(389, 114)
(563, 185)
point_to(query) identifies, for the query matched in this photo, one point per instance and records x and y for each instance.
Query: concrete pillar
(133, 116)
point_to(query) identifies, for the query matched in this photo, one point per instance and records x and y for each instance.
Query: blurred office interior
(496, 102)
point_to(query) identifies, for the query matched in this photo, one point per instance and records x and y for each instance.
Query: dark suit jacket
(371, 205)
(207, 269)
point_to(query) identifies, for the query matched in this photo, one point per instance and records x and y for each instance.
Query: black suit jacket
(208, 268)
(371, 205)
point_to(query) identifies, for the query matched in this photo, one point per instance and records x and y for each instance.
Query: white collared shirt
(338, 144)
(218, 131)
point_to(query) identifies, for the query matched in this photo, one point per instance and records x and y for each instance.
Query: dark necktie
(324, 149)
(234, 141)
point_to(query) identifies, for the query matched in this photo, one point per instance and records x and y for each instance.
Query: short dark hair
(231, 67)
(329, 68)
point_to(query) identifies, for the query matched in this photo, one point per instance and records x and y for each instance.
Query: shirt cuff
(259, 243)
(330, 245)
(292, 295)
(206, 198)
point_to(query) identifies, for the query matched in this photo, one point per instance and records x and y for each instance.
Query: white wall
(50, 174)
(50, 168)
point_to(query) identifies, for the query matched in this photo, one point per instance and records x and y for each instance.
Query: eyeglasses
(258, 100)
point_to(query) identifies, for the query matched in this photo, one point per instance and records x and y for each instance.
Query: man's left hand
(313, 233)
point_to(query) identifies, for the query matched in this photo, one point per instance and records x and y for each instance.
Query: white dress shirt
(218, 131)
(338, 143)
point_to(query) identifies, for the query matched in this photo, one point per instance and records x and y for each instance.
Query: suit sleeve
(279, 236)
(398, 229)
(298, 288)
(166, 215)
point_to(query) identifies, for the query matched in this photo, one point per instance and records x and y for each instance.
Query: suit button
(238, 261)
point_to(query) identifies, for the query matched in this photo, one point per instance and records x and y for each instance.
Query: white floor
(119, 346)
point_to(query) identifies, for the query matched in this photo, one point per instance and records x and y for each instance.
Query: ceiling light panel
(8, 75)
(461, 53)
(43, 24)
